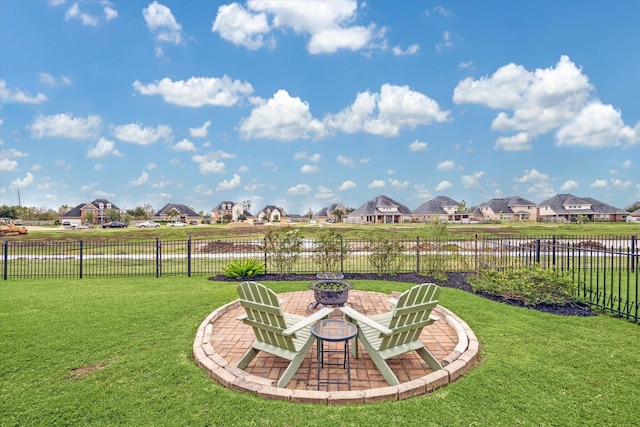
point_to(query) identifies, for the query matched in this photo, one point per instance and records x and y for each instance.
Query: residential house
(230, 212)
(513, 208)
(440, 208)
(98, 211)
(569, 208)
(328, 213)
(175, 212)
(272, 213)
(380, 210)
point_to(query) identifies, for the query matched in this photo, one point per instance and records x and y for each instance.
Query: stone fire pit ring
(330, 292)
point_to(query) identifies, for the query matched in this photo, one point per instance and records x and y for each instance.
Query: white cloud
(18, 96)
(162, 23)
(48, 79)
(209, 163)
(324, 193)
(184, 145)
(345, 160)
(282, 118)
(569, 185)
(472, 181)
(309, 169)
(137, 134)
(200, 132)
(139, 181)
(229, 184)
(443, 186)
(103, 148)
(518, 142)
(198, 91)
(347, 185)
(627, 164)
(599, 183)
(543, 100)
(411, 50)
(110, 13)
(388, 112)
(65, 126)
(24, 182)
(399, 185)
(446, 43)
(597, 126)
(446, 165)
(621, 185)
(299, 190)
(329, 25)
(74, 13)
(538, 183)
(378, 183)
(418, 146)
(8, 165)
(239, 26)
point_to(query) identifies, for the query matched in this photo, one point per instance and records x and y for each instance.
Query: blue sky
(305, 104)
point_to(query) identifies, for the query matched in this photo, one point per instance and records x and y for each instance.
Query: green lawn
(118, 352)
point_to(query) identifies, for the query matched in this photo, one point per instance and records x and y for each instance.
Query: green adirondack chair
(281, 334)
(397, 332)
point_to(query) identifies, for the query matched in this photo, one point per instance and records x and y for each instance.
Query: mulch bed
(454, 280)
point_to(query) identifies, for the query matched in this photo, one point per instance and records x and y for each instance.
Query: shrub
(282, 245)
(248, 267)
(387, 254)
(531, 285)
(329, 250)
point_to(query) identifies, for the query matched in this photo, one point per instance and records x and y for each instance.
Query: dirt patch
(79, 373)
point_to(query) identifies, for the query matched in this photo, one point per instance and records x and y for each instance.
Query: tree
(338, 213)
(246, 205)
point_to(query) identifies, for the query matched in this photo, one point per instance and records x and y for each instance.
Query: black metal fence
(606, 268)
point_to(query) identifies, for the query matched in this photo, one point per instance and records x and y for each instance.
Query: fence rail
(605, 268)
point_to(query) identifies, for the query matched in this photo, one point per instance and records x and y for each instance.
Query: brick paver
(222, 340)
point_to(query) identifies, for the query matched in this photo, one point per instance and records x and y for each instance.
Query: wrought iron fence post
(5, 260)
(264, 246)
(81, 256)
(553, 259)
(158, 257)
(476, 260)
(537, 260)
(417, 254)
(341, 254)
(634, 247)
(189, 256)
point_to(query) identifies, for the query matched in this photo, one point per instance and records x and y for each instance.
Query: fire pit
(330, 292)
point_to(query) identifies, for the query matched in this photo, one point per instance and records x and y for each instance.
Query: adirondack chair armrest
(361, 318)
(434, 318)
(243, 317)
(308, 321)
(393, 301)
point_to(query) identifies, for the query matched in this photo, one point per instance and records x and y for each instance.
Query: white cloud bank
(545, 100)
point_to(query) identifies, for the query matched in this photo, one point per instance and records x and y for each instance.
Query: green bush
(329, 250)
(248, 267)
(387, 254)
(282, 245)
(531, 285)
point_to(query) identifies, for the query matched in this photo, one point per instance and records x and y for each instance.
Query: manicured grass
(117, 351)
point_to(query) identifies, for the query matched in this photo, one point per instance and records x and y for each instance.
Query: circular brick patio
(221, 340)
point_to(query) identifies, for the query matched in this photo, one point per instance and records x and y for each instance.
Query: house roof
(507, 204)
(272, 208)
(327, 210)
(182, 209)
(372, 207)
(224, 202)
(558, 202)
(435, 206)
(77, 211)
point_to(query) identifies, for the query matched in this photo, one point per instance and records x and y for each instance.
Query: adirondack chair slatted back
(264, 315)
(411, 314)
